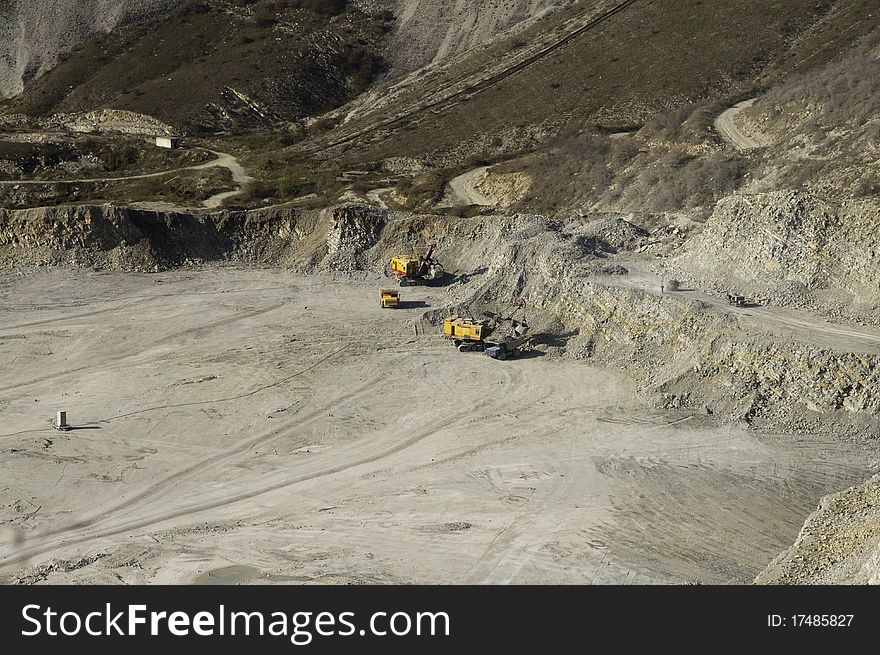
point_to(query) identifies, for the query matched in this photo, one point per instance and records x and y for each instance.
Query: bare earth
(247, 425)
(730, 132)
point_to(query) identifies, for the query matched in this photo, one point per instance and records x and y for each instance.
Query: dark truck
(509, 348)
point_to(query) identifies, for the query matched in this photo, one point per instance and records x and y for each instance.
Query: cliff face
(35, 33)
(120, 238)
(789, 243)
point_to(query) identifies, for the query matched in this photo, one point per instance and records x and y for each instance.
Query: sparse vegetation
(91, 157)
(184, 188)
(196, 68)
(826, 125)
(628, 70)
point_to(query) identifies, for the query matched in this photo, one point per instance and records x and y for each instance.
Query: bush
(288, 186)
(359, 63)
(325, 7)
(194, 7)
(286, 139)
(258, 190)
(868, 185)
(325, 124)
(118, 159)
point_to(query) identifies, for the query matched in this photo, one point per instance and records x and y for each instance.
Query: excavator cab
(403, 266)
(411, 271)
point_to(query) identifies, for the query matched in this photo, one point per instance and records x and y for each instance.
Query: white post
(61, 421)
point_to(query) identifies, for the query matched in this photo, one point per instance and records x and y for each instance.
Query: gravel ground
(250, 425)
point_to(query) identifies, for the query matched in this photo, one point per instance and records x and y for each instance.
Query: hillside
(604, 65)
(430, 31)
(218, 65)
(686, 194)
(35, 34)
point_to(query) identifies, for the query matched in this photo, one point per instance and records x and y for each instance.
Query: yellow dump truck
(389, 298)
(467, 334)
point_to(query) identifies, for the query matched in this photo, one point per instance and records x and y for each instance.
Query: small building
(170, 142)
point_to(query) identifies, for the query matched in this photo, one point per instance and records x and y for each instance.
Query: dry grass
(187, 69)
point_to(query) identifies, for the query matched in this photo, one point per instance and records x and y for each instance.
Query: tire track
(59, 319)
(504, 546)
(147, 346)
(354, 460)
(135, 300)
(209, 463)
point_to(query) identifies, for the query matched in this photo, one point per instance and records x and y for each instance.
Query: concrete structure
(61, 421)
(170, 142)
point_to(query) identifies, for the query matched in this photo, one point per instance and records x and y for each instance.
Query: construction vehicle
(389, 298)
(507, 349)
(736, 300)
(475, 335)
(413, 270)
(466, 333)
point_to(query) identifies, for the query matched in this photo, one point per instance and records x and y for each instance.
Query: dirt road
(464, 188)
(223, 160)
(785, 322)
(254, 424)
(239, 176)
(376, 196)
(726, 127)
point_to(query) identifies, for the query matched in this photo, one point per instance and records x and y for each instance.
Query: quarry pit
(236, 423)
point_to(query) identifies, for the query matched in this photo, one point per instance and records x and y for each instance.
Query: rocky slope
(34, 34)
(789, 245)
(839, 543)
(215, 66)
(428, 31)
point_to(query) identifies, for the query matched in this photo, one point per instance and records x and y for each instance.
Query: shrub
(325, 7)
(194, 7)
(287, 186)
(117, 159)
(258, 190)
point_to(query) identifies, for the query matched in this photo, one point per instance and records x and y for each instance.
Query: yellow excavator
(466, 334)
(477, 335)
(417, 269)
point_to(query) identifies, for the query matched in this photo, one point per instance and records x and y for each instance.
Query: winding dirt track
(726, 126)
(223, 160)
(465, 189)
